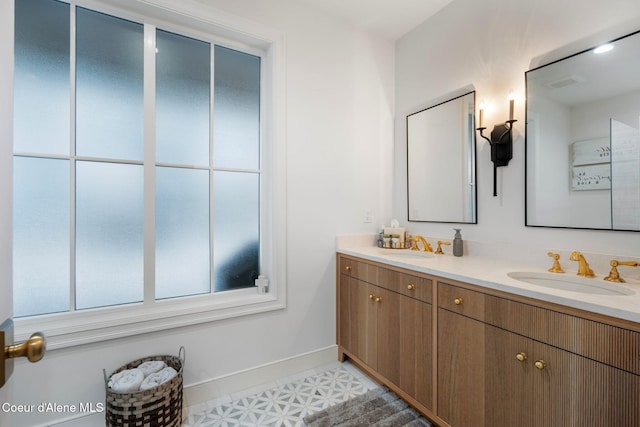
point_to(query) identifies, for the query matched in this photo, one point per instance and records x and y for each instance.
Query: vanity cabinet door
(416, 350)
(461, 370)
(358, 332)
(343, 325)
(517, 392)
(405, 344)
(388, 312)
(507, 376)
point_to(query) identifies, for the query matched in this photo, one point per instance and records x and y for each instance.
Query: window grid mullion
(72, 158)
(212, 285)
(149, 218)
(262, 205)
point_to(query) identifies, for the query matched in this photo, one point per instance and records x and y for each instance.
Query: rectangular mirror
(441, 162)
(583, 139)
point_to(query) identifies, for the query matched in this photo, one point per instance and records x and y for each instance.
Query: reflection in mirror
(441, 162)
(583, 140)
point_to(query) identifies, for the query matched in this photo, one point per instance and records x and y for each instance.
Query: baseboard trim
(228, 384)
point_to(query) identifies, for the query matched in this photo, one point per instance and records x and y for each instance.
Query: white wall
(339, 101)
(490, 44)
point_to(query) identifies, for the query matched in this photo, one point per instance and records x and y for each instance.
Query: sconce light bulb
(511, 96)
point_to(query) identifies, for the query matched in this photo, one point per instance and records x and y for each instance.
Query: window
(139, 177)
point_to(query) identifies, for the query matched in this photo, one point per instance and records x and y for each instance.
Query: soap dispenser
(457, 243)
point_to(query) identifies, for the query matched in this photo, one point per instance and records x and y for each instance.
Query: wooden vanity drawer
(407, 284)
(462, 301)
(358, 269)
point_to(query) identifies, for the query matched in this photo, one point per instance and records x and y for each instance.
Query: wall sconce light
(500, 141)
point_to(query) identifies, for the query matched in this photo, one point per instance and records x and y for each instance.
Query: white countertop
(492, 273)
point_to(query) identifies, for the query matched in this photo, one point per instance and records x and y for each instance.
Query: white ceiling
(389, 18)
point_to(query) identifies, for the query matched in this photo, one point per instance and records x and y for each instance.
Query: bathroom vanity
(468, 345)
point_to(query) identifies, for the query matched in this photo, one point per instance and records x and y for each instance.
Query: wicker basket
(159, 406)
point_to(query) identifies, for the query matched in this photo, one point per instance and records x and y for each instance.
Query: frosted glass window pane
(183, 73)
(41, 78)
(236, 228)
(236, 141)
(109, 211)
(109, 88)
(182, 232)
(40, 236)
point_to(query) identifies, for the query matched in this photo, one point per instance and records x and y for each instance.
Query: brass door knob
(33, 348)
(457, 301)
(371, 296)
(378, 299)
(521, 356)
(348, 268)
(540, 364)
(411, 286)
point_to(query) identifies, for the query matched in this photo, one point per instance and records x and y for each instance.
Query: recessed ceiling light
(604, 48)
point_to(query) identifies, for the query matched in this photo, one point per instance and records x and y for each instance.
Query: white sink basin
(571, 283)
(406, 253)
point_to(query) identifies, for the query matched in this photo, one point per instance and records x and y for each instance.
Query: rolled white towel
(151, 367)
(158, 378)
(126, 381)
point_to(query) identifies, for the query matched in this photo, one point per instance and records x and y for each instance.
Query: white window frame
(204, 23)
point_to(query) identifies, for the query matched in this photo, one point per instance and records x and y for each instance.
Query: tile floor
(283, 403)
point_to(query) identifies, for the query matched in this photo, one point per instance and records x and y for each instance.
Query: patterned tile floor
(287, 402)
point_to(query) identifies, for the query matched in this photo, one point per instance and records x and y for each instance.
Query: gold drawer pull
(540, 364)
(378, 299)
(521, 357)
(457, 301)
(411, 286)
(348, 268)
(371, 296)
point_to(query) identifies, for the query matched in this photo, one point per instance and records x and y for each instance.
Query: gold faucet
(583, 266)
(555, 268)
(425, 245)
(614, 276)
(439, 249)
